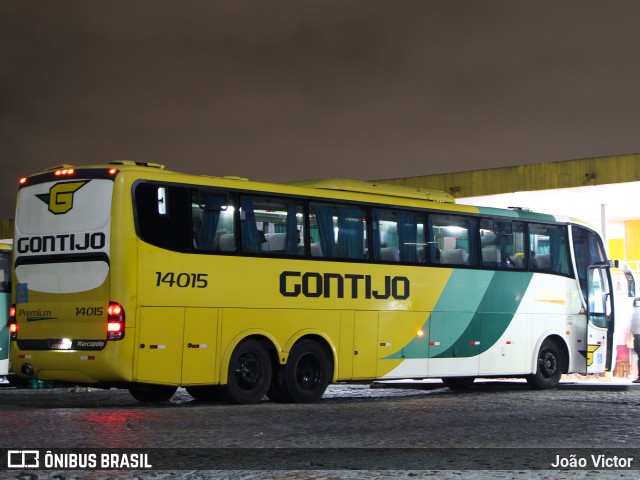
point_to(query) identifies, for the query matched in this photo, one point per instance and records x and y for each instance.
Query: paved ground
(392, 424)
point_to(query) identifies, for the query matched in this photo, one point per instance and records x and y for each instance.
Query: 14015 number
(182, 280)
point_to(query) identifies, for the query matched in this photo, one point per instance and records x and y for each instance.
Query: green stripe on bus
(458, 302)
(493, 316)
(475, 306)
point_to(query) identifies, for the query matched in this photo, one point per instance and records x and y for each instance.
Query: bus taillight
(13, 324)
(115, 321)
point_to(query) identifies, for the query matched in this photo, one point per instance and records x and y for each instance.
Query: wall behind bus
(6, 228)
(616, 249)
(632, 241)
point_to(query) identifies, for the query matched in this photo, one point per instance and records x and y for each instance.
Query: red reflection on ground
(117, 429)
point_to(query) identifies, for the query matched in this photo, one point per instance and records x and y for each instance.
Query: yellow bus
(132, 276)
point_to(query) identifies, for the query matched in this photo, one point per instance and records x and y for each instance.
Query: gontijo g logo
(60, 196)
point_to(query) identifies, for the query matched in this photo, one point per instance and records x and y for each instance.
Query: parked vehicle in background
(5, 304)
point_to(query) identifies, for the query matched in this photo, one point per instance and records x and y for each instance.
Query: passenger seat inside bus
(389, 254)
(276, 242)
(455, 256)
(316, 249)
(542, 261)
(227, 242)
(490, 256)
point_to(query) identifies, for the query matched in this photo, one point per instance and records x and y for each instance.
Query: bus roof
(375, 188)
(328, 187)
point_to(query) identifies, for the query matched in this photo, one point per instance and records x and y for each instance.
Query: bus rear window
(162, 215)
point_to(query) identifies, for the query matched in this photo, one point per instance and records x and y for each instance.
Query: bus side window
(452, 239)
(272, 226)
(502, 244)
(398, 236)
(213, 227)
(549, 249)
(338, 231)
(489, 245)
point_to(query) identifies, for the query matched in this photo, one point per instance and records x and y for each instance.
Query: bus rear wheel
(152, 393)
(305, 376)
(249, 373)
(549, 367)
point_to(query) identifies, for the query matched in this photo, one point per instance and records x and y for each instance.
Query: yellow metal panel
(617, 248)
(159, 345)
(345, 352)
(632, 240)
(365, 339)
(200, 348)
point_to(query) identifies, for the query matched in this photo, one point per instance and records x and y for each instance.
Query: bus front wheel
(249, 373)
(549, 367)
(305, 376)
(152, 393)
(458, 383)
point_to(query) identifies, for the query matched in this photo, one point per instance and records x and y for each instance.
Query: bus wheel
(249, 373)
(307, 372)
(458, 383)
(549, 367)
(152, 393)
(278, 390)
(205, 393)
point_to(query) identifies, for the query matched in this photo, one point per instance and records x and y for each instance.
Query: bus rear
(63, 317)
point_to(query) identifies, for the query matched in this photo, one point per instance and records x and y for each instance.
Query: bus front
(64, 326)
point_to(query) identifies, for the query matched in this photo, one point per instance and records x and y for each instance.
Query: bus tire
(550, 362)
(277, 390)
(249, 374)
(206, 393)
(305, 376)
(152, 393)
(458, 383)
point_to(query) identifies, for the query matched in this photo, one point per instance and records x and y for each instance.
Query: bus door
(600, 322)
